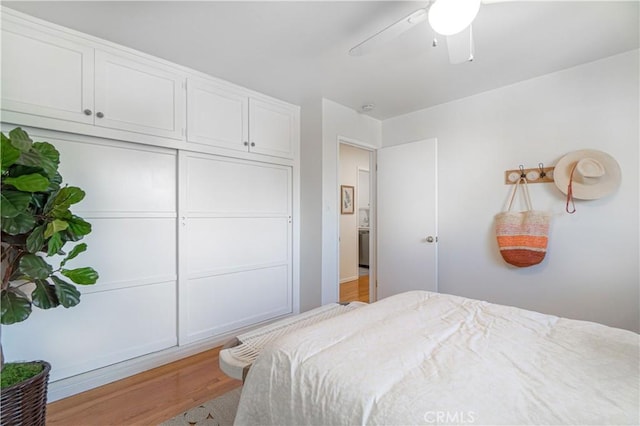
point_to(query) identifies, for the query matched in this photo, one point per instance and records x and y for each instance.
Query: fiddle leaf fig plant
(36, 224)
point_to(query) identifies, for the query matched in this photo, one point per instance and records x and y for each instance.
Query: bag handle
(526, 193)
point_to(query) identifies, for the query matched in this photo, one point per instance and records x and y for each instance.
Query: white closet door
(235, 244)
(131, 310)
(46, 75)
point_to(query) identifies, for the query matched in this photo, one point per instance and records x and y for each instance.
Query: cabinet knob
(253, 144)
(99, 115)
(246, 143)
(87, 112)
(429, 239)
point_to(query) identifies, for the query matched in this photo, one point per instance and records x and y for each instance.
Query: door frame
(372, 212)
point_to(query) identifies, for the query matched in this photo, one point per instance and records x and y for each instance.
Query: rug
(220, 411)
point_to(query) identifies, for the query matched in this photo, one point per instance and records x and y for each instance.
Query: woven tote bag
(522, 236)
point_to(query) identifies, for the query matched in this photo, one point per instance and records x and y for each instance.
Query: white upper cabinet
(272, 128)
(138, 96)
(56, 78)
(46, 76)
(217, 115)
(223, 116)
(50, 74)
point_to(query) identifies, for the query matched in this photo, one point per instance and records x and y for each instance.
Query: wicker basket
(25, 403)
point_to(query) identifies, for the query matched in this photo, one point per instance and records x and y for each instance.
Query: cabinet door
(218, 115)
(272, 128)
(46, 75)
(235, 244)
(138, 96)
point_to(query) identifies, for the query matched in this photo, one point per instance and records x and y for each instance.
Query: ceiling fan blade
(460, 46)
(389, 33)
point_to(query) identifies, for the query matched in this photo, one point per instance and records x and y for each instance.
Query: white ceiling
(297, 51)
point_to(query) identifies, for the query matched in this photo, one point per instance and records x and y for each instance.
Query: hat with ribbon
(587, 174)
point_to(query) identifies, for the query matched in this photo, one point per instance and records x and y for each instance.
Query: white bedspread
(427, 358)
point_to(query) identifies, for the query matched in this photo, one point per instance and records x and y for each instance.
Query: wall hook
(542, 172)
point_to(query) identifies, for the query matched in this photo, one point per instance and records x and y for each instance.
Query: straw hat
(596, 174)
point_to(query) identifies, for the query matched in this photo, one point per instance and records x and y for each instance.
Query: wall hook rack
(538, 174)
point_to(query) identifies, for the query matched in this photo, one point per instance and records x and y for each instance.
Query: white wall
(338, 122)
(310, 204)
(351, 159)
(591, 271)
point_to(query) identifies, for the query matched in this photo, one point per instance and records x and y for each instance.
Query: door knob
(430, 239)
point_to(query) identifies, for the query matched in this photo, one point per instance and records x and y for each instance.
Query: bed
(429, 358)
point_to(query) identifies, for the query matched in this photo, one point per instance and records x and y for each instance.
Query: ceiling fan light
(448, 17)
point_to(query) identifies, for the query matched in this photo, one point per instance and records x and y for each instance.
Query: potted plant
(36, 225)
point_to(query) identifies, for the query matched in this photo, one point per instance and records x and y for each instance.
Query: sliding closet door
(235, 244)
(131, 310)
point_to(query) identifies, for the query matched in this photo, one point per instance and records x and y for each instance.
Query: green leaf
(8, 153)
(68, 294)
(55, 243)
(35, 240)
(15, 307)
(78, 228)
(74, 252)
(44, 295)
(31, 158)
(29, 183)
(82, 276)
(54, 226)
(20, 139)
(12, 203)
(35, 267)
(65, 198)
(50, 157)
(19, 224)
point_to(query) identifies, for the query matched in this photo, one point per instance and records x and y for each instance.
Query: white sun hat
(595, 174)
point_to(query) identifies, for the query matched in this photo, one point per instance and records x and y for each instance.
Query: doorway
(355, 224)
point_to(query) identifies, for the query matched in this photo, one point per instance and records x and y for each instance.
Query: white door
(407, 218)
(235, 244)
(138, 96)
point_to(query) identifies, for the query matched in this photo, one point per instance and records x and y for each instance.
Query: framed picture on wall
(346, 199)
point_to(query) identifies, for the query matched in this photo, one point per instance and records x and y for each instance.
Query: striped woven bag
(522, 236)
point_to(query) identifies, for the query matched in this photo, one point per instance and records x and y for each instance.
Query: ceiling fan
(450, 18)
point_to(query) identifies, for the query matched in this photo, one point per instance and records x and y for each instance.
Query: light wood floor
(355, 290)
(147, 398)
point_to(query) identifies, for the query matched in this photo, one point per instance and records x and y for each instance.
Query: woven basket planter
(25, 403)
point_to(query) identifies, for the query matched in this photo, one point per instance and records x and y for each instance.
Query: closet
(191, 187)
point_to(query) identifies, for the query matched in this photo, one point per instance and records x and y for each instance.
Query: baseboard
(346, 280)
